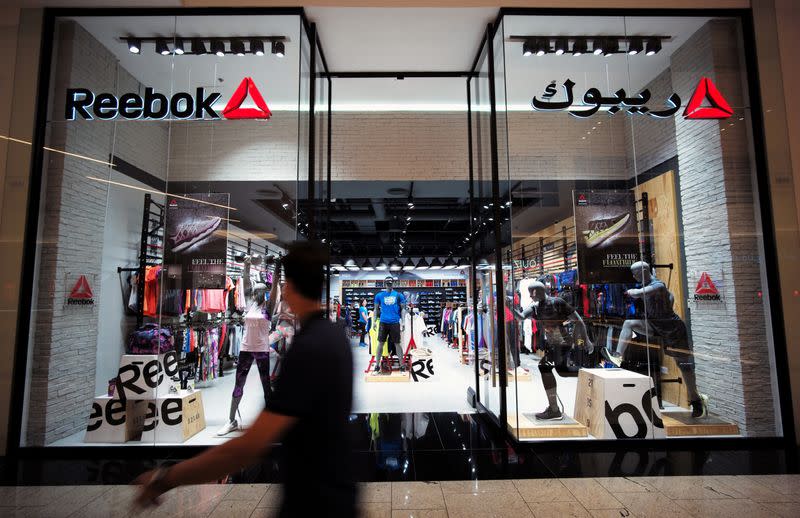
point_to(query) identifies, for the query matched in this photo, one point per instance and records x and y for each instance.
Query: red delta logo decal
(81, 293)
(234, 110)
(706, 90)
(706, 289)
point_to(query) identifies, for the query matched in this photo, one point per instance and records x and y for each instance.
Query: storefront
(577, 239)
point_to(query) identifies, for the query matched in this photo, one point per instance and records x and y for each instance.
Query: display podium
(114, 421)
(618, 404)
(174, 418)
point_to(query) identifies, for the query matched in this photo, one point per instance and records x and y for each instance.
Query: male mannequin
(661, 320)
(388, 309)
(550, 314)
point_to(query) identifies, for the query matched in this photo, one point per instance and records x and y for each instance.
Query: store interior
(410, 198)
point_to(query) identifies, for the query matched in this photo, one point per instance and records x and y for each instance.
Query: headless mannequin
(661, 320)
(388, 331)
(550, 314)
(257, 330)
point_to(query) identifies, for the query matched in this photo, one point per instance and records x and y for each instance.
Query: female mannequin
(256, 340)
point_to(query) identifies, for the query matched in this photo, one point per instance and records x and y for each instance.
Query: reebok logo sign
(153, 105)
(707, 90)
(706, 289)
(81, 293)
(83, 103)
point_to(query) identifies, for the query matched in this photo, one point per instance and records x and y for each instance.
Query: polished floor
(703, 496)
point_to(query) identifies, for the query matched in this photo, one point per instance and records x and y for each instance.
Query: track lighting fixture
(198, 47)
(257, 47)
(561, 46)
(237, 47)
(542, 47)
(597, 46)
(278, 48)
(162, 47)
(527, 48)
(218, 47)
(635, 46)
(610, 47)
(179, 47)
(135, 45)
(653, 46)
(579, 47)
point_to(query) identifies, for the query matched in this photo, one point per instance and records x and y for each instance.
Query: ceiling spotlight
(382, 265)
(237, 47)
(408, 218)
(257, 47)
(410, 204)
(610, 47)
(409, 264)
(179, 47)
(278, 48)
(436, 264)
(162, 47)
(422, 264)
(351, 265)
(218, 47)
(561, 46)
(634, 46)
(528, 47)
(542, 47)
(395, 265)
(653, 46)
(135, 45)
(449, 264)
(198, 47)
(579, 47)
(597, 46)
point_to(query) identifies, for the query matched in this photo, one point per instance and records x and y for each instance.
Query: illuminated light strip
(112, 182)
(83, 157)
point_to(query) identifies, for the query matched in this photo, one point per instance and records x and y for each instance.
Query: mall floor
(703, 496)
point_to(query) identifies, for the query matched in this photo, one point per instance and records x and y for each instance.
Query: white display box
(113, 420)
(618, 404)
(174, 418)
(146, 376)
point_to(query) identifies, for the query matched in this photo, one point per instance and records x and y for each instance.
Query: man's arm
(219, 461)
(377, 305)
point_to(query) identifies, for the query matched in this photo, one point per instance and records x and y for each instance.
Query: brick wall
(717, 193)
(65, 338)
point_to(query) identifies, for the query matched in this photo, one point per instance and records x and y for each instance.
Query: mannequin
(256, 340)
(660, 320)
(388, 310)
(550, 314)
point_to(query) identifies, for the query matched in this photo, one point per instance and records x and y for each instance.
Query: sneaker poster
(196, 238)
(606, 234)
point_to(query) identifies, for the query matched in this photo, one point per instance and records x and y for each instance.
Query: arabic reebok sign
(593, 101)
(82, 102)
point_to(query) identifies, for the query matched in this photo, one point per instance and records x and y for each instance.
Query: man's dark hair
(304, 265)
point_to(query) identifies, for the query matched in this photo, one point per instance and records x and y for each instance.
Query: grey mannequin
(550, 314)
(661, 321)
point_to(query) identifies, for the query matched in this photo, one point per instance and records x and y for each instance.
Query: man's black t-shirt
(316, 386)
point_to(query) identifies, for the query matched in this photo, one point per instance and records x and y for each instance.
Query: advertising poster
(196, 239)
(606, 231)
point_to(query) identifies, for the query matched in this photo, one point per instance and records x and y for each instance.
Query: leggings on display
(243, 369)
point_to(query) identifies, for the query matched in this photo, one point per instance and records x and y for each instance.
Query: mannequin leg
(550, 386)
(263, 364)
(242, 370)
(625, 337)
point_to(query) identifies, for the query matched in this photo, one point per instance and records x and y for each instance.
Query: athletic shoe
(611, 358)
(550, 414)
(191, 232)
(362, 344)
(522, 371)
(228, 428)
(602, 229)
(700, 407)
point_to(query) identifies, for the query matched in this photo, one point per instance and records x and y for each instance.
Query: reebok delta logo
(707, 91)
(82, 102)
(706, 289)
(81, 293)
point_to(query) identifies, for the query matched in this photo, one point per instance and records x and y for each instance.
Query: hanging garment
(241, 301)
(213, 301)
(151, 276)
(133, 299)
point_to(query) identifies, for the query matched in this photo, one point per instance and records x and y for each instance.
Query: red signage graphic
(81, 293)
(706, 289)
(706, 90)
(233, 109)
